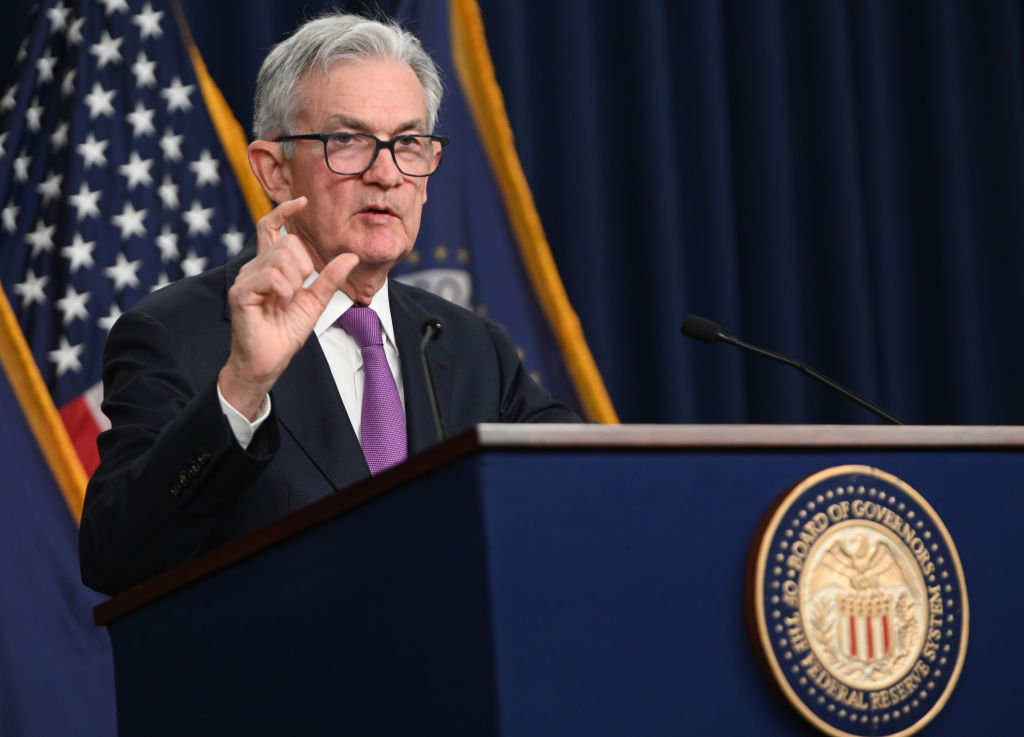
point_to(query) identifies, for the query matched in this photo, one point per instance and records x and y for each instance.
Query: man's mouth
(377, 210)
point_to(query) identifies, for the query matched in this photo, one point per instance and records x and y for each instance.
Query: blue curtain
(838, 180)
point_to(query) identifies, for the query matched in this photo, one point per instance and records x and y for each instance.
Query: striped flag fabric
(113, 182)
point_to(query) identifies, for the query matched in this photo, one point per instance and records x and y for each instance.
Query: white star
(34, 116)
(233, 241)
(58, 16)
(72, 304)
(66, 357)
(92, 151)
(193, 264)
(41, 239)
(59, 137)
(167, 242)
(44, 66)
(124, 273)
(136, 170)
(67, 85)
(162, 282)
(21, 165)
(22, 51)
(79, 253)
(49, 188)
(75, 32)
(177, 95)
(108, 322)
(198, 219)
(168, 192)
(107, 50)
(115, 6)
(86, 202)
(141, 121)
(130, 221)
(99, 101)
(144, 71)
(170, 144)
(3, 140)
(31, 290)
(206, 169)
(148, 22)
(8, 101)
(10, 214)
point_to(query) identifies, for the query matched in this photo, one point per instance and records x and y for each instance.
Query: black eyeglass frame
(378, 145)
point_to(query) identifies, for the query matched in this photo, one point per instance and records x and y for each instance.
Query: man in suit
(225, 414)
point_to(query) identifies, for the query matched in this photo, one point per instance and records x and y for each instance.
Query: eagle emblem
(864, 580)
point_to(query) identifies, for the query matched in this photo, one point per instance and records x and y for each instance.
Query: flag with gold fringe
(114, 181)
(481, 242)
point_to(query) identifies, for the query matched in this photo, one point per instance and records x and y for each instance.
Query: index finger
(268, 228)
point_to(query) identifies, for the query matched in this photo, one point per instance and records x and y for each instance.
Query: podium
(533, 580)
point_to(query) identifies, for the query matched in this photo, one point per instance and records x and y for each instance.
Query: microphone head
(701, 328)
(431, 322)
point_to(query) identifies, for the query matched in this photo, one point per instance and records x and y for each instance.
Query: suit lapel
(407, 317)
(309, 408)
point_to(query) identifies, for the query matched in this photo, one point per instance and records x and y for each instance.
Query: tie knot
(362, 324)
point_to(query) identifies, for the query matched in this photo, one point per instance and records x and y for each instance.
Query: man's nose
(384, 170)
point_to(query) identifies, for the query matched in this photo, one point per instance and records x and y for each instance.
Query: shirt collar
(340, 302)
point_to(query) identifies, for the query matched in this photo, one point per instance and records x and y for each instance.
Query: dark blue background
(841, 181)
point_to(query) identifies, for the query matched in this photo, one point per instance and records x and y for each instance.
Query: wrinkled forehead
(364, 93)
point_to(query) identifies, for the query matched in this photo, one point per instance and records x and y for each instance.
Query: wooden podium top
(578, 437)
(608, 437)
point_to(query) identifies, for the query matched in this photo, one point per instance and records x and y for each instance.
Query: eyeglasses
(349, 154)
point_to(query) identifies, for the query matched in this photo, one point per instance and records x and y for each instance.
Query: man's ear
(270, 166)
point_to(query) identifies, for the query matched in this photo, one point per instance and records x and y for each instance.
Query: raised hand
(272, 314)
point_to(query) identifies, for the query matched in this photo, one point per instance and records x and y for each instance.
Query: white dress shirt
(344, 358)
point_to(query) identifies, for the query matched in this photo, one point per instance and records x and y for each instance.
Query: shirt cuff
(241, 428)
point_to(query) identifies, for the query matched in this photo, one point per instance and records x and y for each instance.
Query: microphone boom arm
(702, 329)
(821, 378)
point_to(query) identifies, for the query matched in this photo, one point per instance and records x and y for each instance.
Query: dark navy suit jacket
(173, 483)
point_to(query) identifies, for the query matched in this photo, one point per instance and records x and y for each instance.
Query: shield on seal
(865, 628)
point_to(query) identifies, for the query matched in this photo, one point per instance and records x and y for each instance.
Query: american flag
(113, 183)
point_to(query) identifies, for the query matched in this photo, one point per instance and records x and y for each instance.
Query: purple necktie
(383, 421)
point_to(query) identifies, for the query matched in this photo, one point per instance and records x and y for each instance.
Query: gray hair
(319, 43)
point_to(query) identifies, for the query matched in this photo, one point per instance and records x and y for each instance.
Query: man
(225, 416)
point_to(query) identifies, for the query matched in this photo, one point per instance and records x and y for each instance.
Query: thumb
(333, 276)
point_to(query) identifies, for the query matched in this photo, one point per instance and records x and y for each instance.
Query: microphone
(431, 328)
(703, 329)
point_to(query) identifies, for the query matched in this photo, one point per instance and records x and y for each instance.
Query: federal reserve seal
(859, 604)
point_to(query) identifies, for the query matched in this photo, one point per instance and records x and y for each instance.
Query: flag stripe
(113, 182)
(475, 71)
(82, 429)
(42, 416)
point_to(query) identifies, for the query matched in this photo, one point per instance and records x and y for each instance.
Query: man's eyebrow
(343, 121)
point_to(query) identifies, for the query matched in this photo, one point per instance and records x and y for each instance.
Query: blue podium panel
(618, 586)
(529, 591)
(376, 622)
